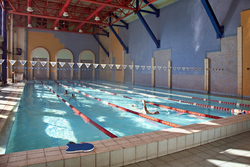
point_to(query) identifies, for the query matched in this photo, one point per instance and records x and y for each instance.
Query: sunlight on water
(59, 128)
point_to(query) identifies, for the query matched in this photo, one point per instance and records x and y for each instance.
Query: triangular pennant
(183, 68)
(117, 66)
(191, 68)
(131, 67)
(95, 65)
(159, 67)
(87, 65)
(178, 68)
(199, 69)
(12, 62)
(195, 69)
(79, 64)
(174, 68)
(103, 65)
(149, 67)
(71, 64)
(165, 68)
(137, 67)
(22, 61)
(53, 63)
(111, 65)
(124, 66)
(43, 63)
(187, 68)
(154, 67)
(143, 67)
(61, 63)
(33, 63)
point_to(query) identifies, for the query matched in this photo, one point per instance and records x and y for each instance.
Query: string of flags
(117, 66)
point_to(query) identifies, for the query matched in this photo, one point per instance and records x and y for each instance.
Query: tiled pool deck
(223, 142)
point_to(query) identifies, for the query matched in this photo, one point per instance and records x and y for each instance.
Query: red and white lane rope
(84, 117)
(155, 104)
(190, 97)
(125, 109)
(180, 101)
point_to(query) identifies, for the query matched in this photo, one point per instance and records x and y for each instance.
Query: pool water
(43, 120)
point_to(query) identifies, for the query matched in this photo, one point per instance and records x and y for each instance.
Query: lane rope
(190, 97)
(125, 109)
(179, 101)
(84, 117)
(155, 104)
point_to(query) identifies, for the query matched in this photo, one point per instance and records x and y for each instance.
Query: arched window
(87, 56)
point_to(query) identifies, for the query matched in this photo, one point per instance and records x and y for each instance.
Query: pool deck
(222, 142)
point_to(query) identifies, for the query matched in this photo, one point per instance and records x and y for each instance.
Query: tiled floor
(229, 152)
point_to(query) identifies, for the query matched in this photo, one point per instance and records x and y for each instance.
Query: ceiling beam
(108, 4)
(54, 18)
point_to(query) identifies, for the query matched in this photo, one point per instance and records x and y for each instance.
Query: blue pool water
(43, 120)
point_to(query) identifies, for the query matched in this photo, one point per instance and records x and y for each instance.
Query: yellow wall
(117, 50)
(45, 40)
(245, 23)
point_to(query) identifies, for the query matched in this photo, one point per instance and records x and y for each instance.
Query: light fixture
(80, 30)
(29, 25)
(65, 14)
(56, 28)
(29, 9)
(97, 18)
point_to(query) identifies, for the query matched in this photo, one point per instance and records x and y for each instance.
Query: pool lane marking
(180, 101)
(190, 97)
(84, 117)
(125, 109)
(155, 104)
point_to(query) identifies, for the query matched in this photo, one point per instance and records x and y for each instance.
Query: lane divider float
(180, 101)
(84, 117)
(155, 104)
(125, 109)
(190, 97)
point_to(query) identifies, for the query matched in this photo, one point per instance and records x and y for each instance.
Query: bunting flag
(22, 61)
(154, 67)
(117, 66)
(143, 67)
(33, 63)
(183, 68)
(1, 61)
(165, 68)
(111, 65)
(53, 63)
(71, 65)
(174, 68)
(61, 63)
(159, 67)
(12, 62)
(195, 69)
(178, 68)
(137, 67)
(148, 67)
(169, 68)
(191, 68)
(187, 68)
(95, 65)
(124, 66)
(79, 64)
(131, 67)
(87, 65)
(43, 63)
(103, 65)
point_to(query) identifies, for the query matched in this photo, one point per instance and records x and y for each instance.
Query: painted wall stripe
(84, 117)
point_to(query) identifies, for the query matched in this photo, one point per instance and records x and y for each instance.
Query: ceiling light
(29, 9)
(56, 28)
(29, 25)
(65, 14)
(80, 30)
(97, 18)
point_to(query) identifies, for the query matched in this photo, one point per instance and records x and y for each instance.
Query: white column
(153, 72)
(169, 74)
(206, 75)
(239, 60)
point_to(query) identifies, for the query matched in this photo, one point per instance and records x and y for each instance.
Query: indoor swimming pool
(99, 110)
